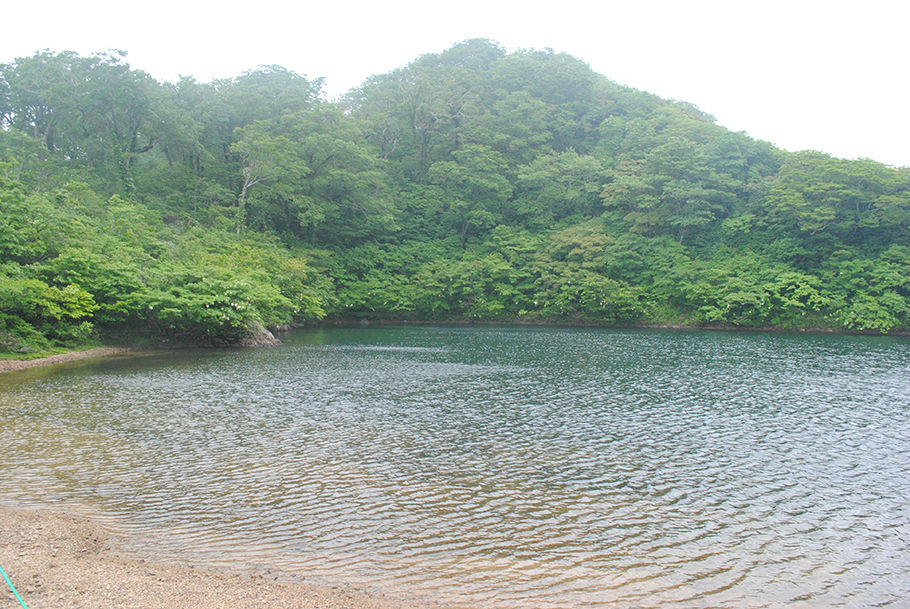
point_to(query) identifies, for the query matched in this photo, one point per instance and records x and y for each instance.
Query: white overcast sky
(803, 74)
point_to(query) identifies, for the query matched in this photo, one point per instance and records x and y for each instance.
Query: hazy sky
(826, 75)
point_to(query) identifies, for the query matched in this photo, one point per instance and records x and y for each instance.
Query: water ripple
(502, 468)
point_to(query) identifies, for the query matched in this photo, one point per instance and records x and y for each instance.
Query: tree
(558, 185)
(95, 111)
(263, 157)
(476, 187)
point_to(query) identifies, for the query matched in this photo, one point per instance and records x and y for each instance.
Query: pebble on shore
(61, 561)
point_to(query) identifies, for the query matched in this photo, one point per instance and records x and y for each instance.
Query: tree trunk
(241, 205)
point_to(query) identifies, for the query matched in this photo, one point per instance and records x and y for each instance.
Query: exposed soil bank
(61, 561)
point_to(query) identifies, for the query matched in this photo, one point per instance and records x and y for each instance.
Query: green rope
(13, 588)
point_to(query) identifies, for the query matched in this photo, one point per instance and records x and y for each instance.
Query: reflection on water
(499, 467)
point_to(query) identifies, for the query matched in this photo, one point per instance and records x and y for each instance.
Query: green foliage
(580, 295)
(559, 185)
(871, 294)
(71, 263)
(187, 304)
(471, 184)
(113, 283)
(318, 181)
(34, 314)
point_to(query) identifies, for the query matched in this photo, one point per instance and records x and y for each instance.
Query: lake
(513, 468)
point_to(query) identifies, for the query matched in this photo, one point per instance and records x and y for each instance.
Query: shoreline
(58, 560)
(506, 323)
(8, 365)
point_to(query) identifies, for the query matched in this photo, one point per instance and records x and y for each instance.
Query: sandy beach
(61, 561)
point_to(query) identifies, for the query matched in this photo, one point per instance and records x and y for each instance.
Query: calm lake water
(519, 468)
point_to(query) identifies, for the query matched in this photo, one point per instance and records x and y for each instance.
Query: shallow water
(498, 467)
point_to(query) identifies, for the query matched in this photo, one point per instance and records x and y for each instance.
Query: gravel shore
(60, 561)
(7, 365)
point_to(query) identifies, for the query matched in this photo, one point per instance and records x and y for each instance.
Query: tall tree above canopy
(419, 114)
(221, 107)
(324, 182)
(34, 94)
(268, 92)
(94, 111)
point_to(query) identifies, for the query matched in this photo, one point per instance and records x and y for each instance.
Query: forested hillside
(469, 185)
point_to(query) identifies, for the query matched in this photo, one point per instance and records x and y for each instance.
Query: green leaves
(207, 309)
(33, 313)
(472, 184)
(34, 300)
(827, 201)
(312, 178)
(71, 263)
(556, 186)
(94, 112)
(578, 295)
(476, 189)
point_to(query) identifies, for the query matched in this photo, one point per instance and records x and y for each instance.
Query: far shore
(537, 323)
(8, 365)
(58, 560)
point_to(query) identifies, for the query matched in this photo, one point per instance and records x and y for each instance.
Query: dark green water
(498, 467)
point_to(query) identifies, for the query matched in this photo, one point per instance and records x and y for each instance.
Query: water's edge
(38, 538)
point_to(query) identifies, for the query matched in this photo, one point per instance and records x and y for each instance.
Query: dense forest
(473, 184)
